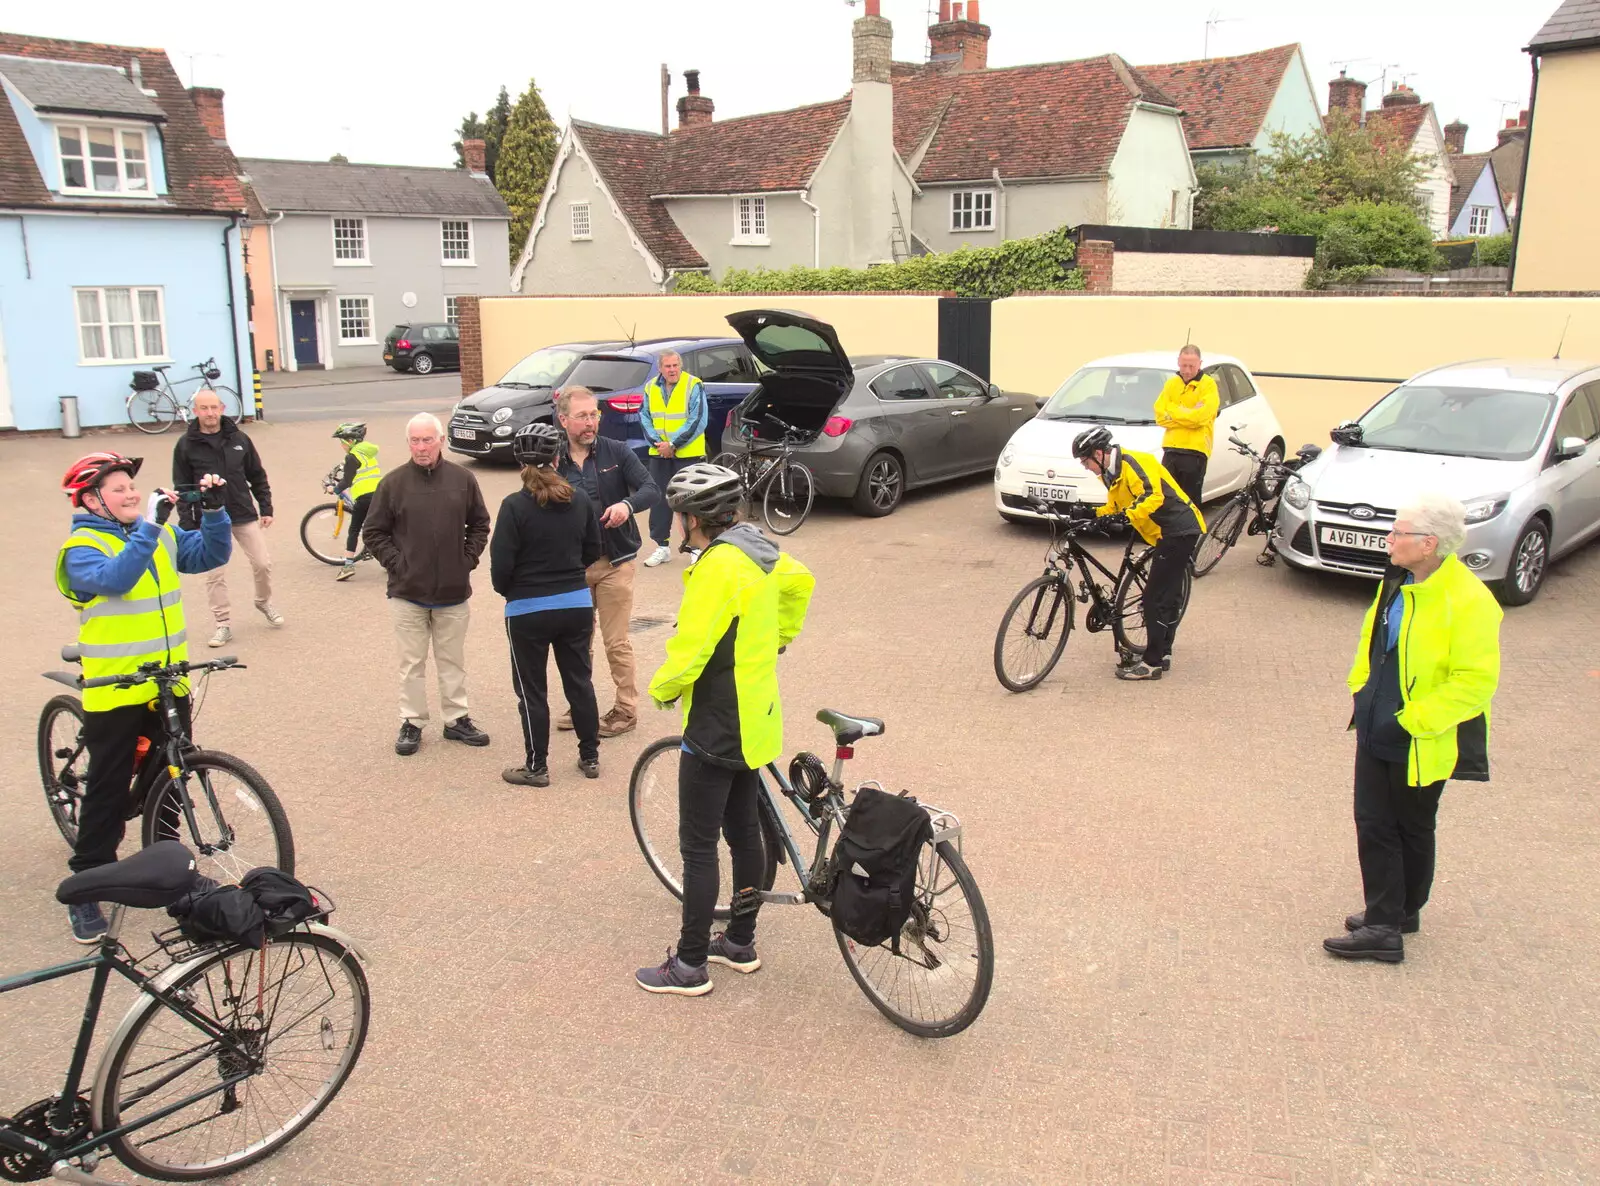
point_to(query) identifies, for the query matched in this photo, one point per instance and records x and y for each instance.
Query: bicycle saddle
(71, 654)
(848, 730)
(155, 876)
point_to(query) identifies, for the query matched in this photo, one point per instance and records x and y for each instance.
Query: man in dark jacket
(214, 444)
(428, 526)
(619, 486)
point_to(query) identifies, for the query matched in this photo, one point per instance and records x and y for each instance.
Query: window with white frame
(349, 240)
(106, 160)
(455, 238)
(972, 210)
(355, 320)
(452, 313)
(1478, 220)
(581, 228)
(750, 226)
(121, 324)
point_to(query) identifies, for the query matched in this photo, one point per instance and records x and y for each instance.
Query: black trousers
(661, 516)
(532, 637)
(1394, 838)
(1188, 469)
(358, 517)
(1163, 594)
(112, 739)
(714, 799)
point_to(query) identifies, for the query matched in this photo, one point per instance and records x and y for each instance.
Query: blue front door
(303, 316)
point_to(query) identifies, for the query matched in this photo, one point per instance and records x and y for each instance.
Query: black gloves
(1080, 511)
(214, 496)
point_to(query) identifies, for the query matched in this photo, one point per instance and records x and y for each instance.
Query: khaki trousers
(612, 586)
(251, 539)
(415, 627)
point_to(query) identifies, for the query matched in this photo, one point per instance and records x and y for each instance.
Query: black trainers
(462, 729)
(1409, 925)
(590, 767)
(740, 959)
(527, 776)
(409, 740)
(676, 977)
(88, 923)
(1368, 943)
(1140, 671)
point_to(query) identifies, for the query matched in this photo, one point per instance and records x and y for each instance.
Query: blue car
(618, 377)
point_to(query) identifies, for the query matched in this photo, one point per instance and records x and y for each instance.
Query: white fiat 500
(1120, 392)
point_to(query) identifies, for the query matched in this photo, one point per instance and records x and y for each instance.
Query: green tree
(472, 128)
(491, 129)
(527, 151)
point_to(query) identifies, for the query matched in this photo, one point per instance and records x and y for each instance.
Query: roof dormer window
(101, 159)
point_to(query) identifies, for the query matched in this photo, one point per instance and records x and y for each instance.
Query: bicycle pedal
(746, 901)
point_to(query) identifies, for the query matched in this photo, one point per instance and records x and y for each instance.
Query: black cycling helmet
(538, 443)
(351, 430)
(711, 493)
(1091, 441)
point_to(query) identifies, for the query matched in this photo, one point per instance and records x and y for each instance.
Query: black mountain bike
(1034, 631)
(1253, 509)
(771, 474)
(235, 823)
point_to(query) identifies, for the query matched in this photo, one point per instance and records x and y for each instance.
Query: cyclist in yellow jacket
(1187, 408)
(674, 418)
(1140, 487)
(743, 602)
(355, 487)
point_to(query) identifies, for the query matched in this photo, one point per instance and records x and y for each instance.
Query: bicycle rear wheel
(788, 497)
(63, 762)
(232, 405)
(297, 1041)
(152, 411)
(1221, 534)
(653, 808)
(1127, 605)
(323, 532)
(1033, 633)
(253, 831)
(933, 979)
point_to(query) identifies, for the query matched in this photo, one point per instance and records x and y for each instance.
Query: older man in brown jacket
(428, 526)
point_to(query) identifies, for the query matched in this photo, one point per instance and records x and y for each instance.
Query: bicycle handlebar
(160, 673)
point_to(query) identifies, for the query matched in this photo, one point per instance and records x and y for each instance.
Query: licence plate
(1342, 537)
(1050, 493)
(464, 434)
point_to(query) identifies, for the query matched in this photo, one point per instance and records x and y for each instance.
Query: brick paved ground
(1160, 861)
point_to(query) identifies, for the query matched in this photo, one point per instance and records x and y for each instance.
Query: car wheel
(882, 486)
(1530, 561)
(422, 364)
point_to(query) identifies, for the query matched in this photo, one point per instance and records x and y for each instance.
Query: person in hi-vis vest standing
(119, 568)
(674, 419)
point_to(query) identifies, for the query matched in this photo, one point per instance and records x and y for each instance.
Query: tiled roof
(198, 173)
(1507, 160)
(1224, 100)
(1576, 22)
(330, 187)
(77, 88)
(1465, 171)
(772, 151)
(631, 164)
(1401, 122)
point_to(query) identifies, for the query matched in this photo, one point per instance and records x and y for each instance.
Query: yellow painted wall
(1557, 247)
(264, 314)
(517, 326)
(1039, 341)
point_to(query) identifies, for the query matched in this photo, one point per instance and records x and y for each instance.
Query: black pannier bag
(873, 869)
(267, 901)
(146, 380)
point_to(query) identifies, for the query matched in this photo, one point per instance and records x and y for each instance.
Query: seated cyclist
(1140, 487)
(743, 601)
(355, 487)
(119, 569)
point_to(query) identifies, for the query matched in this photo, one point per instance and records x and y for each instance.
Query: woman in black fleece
(546, 535)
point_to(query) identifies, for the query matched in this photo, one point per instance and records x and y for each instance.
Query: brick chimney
(1401, 96)
(694, 109)
(1515, 129)
(1455, 138)
(960, 36)
(207, 101)
(870, 132)
(474, 153)
(1348, 95)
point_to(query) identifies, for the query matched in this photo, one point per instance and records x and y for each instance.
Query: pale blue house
(120, 230)
(1476, 208)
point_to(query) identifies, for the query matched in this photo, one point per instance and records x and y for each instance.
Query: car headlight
(1481, 510)
(501, 415)
(1007, 455)
(1297, 494)
(503, 430)
(455, 411)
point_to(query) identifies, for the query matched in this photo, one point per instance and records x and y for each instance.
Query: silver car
(1518, 442)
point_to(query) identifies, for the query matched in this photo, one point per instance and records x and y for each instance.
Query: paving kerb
(1160, 863)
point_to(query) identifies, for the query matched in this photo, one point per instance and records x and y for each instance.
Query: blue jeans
(661, 471)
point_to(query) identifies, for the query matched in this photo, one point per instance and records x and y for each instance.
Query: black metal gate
(964, 324)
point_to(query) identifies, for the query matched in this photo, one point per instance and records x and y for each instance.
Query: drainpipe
(277, 294)
(816, 229)
(233, 321)
(995, 173)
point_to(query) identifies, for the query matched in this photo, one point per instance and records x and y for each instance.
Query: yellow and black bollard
(260, 411)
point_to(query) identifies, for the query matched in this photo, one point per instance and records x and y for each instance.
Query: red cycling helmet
(91, 469)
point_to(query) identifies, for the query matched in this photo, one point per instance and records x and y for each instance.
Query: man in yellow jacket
(1424, 673)
(743, 602)
(1187, 409)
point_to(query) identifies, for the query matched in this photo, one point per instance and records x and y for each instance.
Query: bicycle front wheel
(788, 497)
(1033, 633)
(295, 1017)
(63, 762)
(1221, 534)
(933, 978)
(152, 411)
(323, 532)
(242, 824)
(1127, 606)
(653, 808)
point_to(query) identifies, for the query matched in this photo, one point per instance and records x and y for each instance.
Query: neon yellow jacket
(1449, 654)
(1188, 411)
(1155, 504)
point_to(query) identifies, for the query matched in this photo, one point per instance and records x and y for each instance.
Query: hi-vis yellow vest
(668, 412)
(144, 625)
(366, 479)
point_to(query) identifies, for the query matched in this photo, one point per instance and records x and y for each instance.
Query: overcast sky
(388, 83)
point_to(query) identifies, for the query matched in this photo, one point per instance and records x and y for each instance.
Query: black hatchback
(422, 347)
